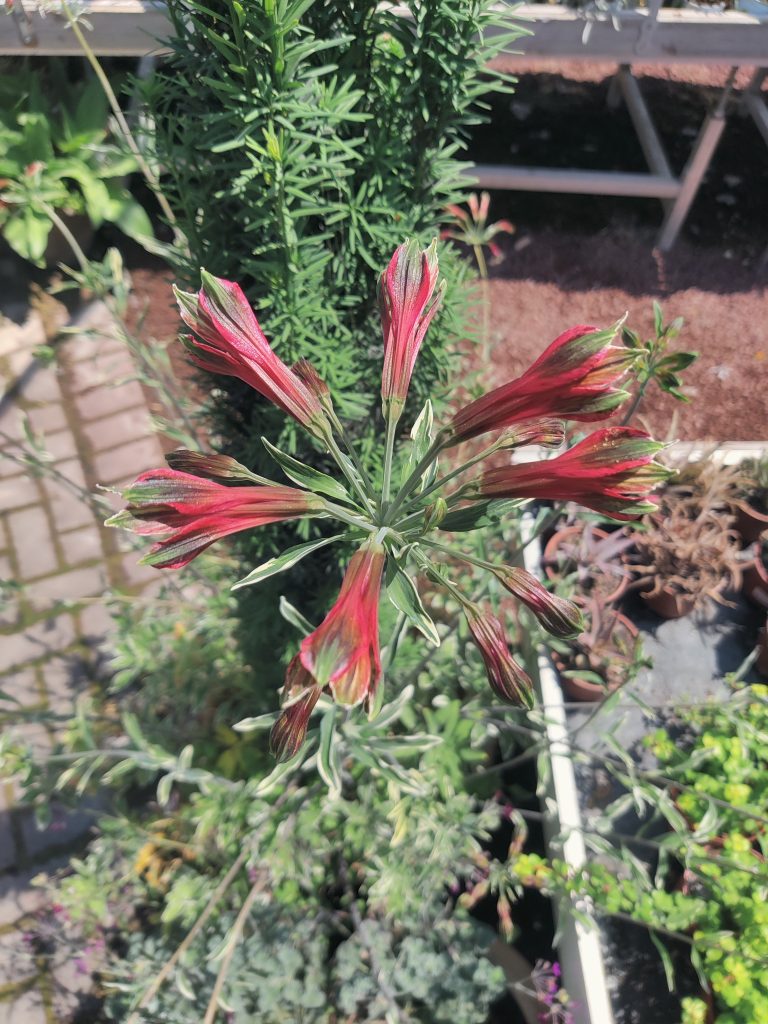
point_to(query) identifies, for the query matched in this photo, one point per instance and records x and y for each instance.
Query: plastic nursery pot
(570, 535)
(755, 582)
(749, 521)
(579, 689)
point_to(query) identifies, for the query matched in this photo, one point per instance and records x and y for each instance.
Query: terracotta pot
(749, 522)
(755, 583)
(670, 604)
(571, 534)
(583, 689)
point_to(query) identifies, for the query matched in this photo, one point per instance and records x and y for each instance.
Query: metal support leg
(754, 103)
(696, 168)
(651, 144)
(613, 98)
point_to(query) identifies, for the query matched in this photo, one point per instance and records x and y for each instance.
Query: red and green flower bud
(547, 433)
(559, 617)
(611, 471)
(194, 512)
(575, 377)
(230, 341)
(508, 680)
(343, 652)
(434, 514)
(290, 730)
(211, 467)
(306, 372)
(407, 307)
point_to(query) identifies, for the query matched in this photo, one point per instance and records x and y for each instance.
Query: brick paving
(57, 563)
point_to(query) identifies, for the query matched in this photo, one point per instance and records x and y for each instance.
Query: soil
(587, 259)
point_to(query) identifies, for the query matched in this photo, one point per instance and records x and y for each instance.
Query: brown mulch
(555, 280)
(588, 259)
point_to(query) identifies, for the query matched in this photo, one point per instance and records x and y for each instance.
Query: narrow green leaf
(280, 772)
(421, 437)
(286, 560)
(666, 960)
(391, 712)
(658, 319)
(306, 476)
(482, 513)
(164, 787)
(294, 616)
(258, 722)
(328, 760)
(403, 594)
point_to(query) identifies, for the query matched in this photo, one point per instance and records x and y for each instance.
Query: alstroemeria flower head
(290, 730)
(575, 378)
(508, 680)
(471, 228)
(611, 471)
(405, 291)
(559, 617)
(343, 652)
(194, 512)
(230, 341)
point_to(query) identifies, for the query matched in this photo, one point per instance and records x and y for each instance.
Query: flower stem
(481, 563)
(635, 403)
(341, 462)
(338, 512)
(433, 451)
(443, 480)
(149, 176)
(68, 236)
(389, 451)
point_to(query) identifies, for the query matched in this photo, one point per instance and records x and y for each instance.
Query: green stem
(443, 480)
(389, 451)
(338, 512)
(70, 238)
(637, 399)
(349, 445)
(481, 563)
(125, 131)
(338, 455)
(433, 451)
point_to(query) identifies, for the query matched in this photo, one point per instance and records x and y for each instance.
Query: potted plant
(606, 655)
(750, 504)
(60, 175)
(689, 551)
(755, 575)
(591, 558)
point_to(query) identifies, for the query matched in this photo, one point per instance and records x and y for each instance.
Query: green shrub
(303, 142)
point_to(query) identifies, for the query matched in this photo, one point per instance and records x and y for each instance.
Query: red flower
(508, 680)
(290, 730)
(195, 512)
(405, 290)
(611, 471)
(343, 652)
(231, 342)
(574, 378)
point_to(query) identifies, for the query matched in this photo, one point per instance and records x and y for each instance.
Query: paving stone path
(57, 562)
